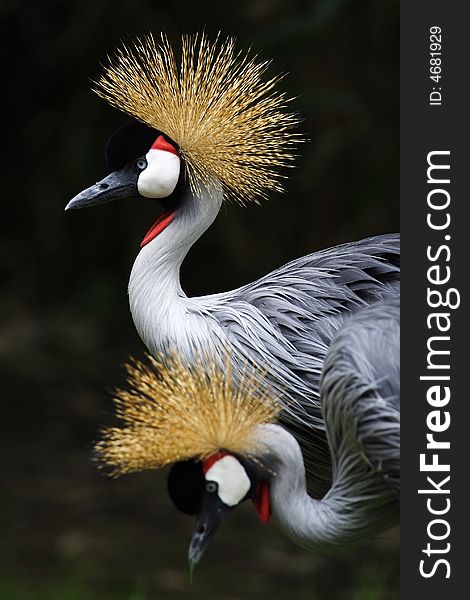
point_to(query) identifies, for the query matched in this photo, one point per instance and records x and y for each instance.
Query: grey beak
(204, 529)
(118, 184)
(212, 513)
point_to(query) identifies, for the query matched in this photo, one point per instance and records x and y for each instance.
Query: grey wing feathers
(360, 388)
(284, 323)
(286, 319)
(307, 299)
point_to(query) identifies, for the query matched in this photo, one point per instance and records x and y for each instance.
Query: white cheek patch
(159, 178)
(231, 478)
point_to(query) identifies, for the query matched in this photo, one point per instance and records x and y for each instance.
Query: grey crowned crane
(205, 131)
(226, 446)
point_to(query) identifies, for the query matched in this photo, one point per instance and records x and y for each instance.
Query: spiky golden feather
(230, 125)
(172, 412)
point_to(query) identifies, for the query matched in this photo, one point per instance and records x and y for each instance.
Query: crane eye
(211, 487)
(141, 163)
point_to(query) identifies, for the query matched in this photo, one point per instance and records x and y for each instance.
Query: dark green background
(66, 531)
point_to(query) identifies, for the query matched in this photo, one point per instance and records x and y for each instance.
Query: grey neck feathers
(352, 510)
(158, 305)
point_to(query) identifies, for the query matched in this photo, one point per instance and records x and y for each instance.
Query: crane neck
(351, 511)
(157, 301)
(194, 216)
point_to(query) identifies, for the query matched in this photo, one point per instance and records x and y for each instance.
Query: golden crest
(230, 125)
(171, 411)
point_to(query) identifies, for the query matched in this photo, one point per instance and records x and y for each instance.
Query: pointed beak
(207, 522)
(118, 184)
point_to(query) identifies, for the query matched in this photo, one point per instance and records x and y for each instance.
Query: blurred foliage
(66, 531)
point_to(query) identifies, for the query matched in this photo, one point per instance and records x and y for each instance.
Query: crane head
(211, 489)
(205, 423)
(213, 106)
(145, 163)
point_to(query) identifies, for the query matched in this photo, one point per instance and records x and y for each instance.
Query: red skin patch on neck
(208, 462)
(262, 502)
(162, 144)
(160, 224)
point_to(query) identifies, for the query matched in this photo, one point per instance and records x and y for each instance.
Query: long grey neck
(157, 302)
(351, 511)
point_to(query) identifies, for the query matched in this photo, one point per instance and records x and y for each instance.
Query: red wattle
(262, 503)
(160, 224)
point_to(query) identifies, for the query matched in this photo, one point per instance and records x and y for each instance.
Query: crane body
(283, 322)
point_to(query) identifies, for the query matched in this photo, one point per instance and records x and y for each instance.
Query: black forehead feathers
(185, 486)
(131, 141)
